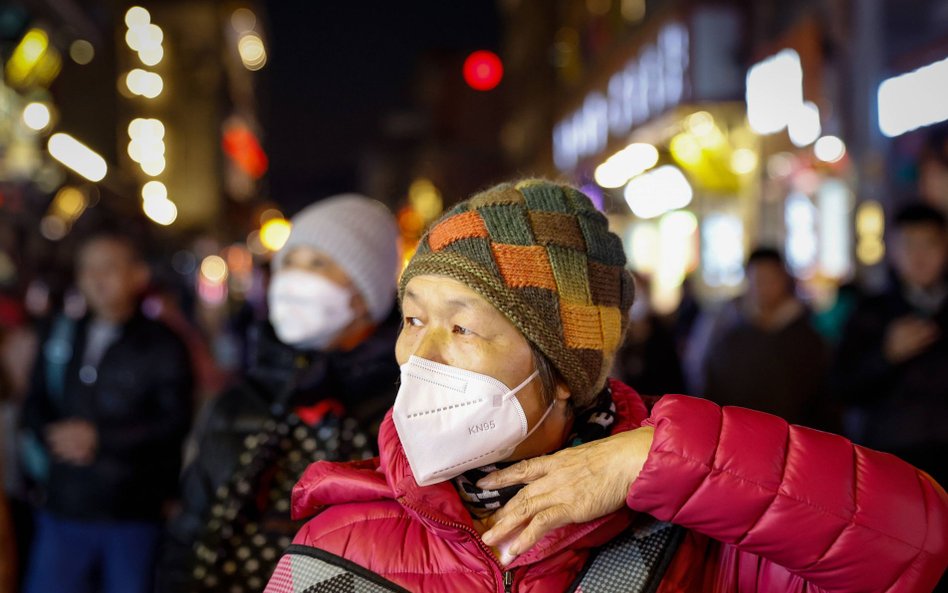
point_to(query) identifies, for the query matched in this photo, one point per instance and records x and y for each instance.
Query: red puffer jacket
(770, 508)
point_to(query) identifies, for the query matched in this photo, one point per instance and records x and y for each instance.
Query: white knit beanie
(361, 237)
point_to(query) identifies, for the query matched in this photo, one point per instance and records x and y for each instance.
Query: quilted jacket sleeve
(843, 517)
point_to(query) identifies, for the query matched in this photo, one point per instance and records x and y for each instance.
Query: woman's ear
(359, 307)
(563, 393)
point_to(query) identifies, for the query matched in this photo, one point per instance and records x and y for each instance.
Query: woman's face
(307, 259)
(447, 322)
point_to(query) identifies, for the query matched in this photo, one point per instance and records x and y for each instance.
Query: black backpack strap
(633, 562)
(55, 356)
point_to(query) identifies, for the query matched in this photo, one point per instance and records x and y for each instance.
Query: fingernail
(485, 483)
(488, 537)
(507, 557)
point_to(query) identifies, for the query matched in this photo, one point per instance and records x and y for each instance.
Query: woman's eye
(413, 322)
(462, 331)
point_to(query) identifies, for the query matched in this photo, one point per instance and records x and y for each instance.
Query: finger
(509, 518)
(521, 473)
(516, 513)
(543, 523)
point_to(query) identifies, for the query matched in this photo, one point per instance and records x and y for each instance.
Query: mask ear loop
(539, 422)
(513, 393)
(516, 389)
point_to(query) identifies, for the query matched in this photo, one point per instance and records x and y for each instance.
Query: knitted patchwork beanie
(543, 255)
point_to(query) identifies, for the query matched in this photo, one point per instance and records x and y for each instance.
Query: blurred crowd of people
(871, 366)
(98, 487)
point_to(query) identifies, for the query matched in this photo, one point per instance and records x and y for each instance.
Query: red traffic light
(483, 70)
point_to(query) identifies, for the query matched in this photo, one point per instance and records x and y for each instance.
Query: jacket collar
(284, 371)
(438, 506)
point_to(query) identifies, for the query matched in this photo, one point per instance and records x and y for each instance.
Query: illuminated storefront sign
(653, 81)
(913, 100)
(692, 58)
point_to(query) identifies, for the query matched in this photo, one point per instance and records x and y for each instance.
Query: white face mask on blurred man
(308, 310)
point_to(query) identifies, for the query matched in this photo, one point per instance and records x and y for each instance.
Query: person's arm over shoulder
(843, 517)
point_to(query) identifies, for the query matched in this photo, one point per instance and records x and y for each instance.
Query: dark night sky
(335, 69)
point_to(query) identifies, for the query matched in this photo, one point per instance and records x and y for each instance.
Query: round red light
(483, 70)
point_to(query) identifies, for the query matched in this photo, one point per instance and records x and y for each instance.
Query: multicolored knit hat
(543, 255)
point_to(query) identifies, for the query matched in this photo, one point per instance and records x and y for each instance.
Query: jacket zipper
(506, 575)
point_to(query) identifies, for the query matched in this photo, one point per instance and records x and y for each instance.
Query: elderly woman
(514, 307)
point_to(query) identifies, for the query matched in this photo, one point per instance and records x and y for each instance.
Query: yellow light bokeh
(33, 60)
(629, 162)
(137, 16)
(77, 156)
(243, 20)
(214, 269)
(143, 83)
(151, 56)
(69, 203)
(36, 116)
(425, 198)
(253, 53)
(154, 191)
(685, 149)
(269, 214)
(743, 161)
(154, 167)
(274, 233)
(163, 212)
(870, 219)
(81, 51)
(701, 123)
(254, 244)
(870, 251)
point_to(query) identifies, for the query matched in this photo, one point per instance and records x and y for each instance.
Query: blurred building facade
(165, 97)
(707, 128)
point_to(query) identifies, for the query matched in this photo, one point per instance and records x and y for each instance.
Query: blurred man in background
(322, 377)
(892, 364)
(108, 408)
(756, 357)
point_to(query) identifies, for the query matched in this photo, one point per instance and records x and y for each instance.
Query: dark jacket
(650, 361)
(781, 370)
(140, 405)
(281, 381)
(902, 408)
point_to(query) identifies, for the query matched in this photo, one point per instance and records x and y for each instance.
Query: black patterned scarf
(592, 423)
